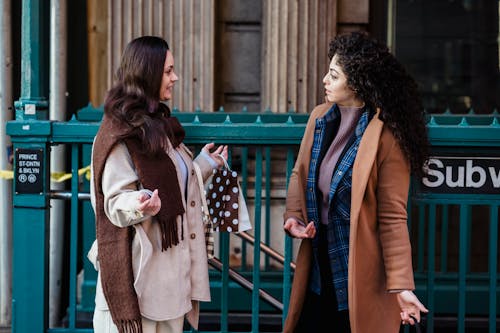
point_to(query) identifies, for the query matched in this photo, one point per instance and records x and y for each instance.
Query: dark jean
(321, 311)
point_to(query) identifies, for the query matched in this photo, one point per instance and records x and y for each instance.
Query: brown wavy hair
(134, 99)
(377, 77)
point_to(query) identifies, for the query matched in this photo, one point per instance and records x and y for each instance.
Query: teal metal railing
(244, 133)
(445, 221)
(455, 230)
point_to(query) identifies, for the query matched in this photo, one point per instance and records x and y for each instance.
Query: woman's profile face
(168, 79)
(336, 88)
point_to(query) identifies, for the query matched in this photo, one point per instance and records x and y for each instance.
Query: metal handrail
(266, 249)
(66, 195)
(242, 281)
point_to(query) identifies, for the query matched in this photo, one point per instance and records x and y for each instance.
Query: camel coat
(379, 245)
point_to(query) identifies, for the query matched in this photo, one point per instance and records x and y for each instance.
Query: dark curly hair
(134, 99)
(377, 78)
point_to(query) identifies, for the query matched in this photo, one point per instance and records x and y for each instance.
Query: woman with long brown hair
(150, 250)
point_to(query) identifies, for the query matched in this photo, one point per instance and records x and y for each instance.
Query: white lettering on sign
(435, 173)
(27, 156)
(28, 167)
(473, 173)
(495, 177)
(29, 163)
(28, 170)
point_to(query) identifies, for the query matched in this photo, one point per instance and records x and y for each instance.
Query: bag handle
(417, 325)
(225, 162)
(204, 206)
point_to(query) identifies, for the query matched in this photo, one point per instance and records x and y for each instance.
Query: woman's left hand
(410, 306)
(149, 205)
(221, 150)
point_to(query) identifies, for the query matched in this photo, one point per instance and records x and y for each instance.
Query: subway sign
(462, 175)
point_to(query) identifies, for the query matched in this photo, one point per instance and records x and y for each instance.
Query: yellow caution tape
(57, 177)
(6, 174)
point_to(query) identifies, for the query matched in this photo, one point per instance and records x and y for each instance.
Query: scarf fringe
(169, 233)
(129, 326)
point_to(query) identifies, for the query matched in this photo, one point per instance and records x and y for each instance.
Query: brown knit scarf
(115, 243)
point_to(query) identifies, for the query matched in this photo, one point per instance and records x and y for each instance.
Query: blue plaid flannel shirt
(340, 207)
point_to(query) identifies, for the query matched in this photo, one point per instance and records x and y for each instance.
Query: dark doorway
(238, 55)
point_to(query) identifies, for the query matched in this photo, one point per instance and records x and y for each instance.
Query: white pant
(104, 324)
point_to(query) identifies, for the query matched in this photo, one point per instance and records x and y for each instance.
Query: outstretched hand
(298, 230)
(410, 307)
(149, 205)
(221, 150)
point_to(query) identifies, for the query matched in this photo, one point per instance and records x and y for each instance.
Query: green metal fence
(447, 218)
(455, 222)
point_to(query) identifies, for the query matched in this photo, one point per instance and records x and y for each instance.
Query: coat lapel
(363, 163)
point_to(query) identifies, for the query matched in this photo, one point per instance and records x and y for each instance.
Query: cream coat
(169, 284)
(379, 246)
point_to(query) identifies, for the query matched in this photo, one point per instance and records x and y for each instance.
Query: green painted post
(75, 153)
(33, 103)
(257, 235)
(224, 290)
(421, 238)
(492, 263)
(462, 266)
(431, 267)
(244, 185)
(267, 215)
(88, 236)
(30, 229)
(290, 159)
(444, 239)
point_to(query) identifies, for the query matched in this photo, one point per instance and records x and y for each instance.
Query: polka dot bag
(222, 199)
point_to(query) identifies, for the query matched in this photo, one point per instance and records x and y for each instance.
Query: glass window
(451, 47)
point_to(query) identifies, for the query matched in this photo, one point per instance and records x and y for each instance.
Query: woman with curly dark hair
(348, 192)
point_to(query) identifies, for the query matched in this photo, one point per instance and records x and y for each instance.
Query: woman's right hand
(298, 230)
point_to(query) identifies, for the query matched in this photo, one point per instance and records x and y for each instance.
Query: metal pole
(391, 25)
(6, 103)
(57, 111)
(31, 140)
(33, 103)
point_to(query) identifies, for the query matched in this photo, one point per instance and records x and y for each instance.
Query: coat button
(193, 235)
(192, 172)
(193, 203)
